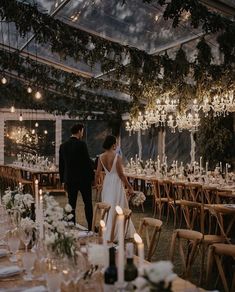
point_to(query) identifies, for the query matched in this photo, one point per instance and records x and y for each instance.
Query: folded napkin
(82, 234)
(36, 289)
(9, 271)
(79, 226)
(3, 252)
(230, 206)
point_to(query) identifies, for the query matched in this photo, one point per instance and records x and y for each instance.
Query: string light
(38, 95)
(29, 89)
(4, 80)
(45, 132)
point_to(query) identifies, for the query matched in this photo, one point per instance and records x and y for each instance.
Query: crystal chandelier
(137, 124)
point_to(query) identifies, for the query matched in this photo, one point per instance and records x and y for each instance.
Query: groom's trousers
(86, 192)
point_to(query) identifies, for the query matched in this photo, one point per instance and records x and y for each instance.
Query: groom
(76, 171)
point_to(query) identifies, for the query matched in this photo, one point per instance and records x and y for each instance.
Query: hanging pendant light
(38, 95)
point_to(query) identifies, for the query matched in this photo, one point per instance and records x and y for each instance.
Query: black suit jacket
(74, 162)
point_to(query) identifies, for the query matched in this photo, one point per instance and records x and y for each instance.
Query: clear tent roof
(135, 24)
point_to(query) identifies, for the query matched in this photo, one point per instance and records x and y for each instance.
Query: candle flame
(119, 210)
(36, 182)
(40, 192)
(137, 238)
(102, 223)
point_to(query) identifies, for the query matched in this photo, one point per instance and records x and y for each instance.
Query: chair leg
(210, 261)
(202, 264)
(173, 241)
(221, 272)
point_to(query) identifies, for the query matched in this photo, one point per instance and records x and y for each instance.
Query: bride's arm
(122, 176)
(97, 172)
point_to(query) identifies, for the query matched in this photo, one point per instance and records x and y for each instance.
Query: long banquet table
(17, 281)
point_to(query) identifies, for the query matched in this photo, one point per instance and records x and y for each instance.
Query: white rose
(70, 216)
(68, 208)
(140, 283)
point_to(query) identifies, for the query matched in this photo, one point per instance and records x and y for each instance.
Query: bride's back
(108, 159)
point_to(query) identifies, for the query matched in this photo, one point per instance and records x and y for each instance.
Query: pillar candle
(140, 247)
(120, 221)
(36, 200)
(40, 212)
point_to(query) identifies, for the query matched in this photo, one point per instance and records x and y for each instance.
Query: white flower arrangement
(137, 199)
(27, 224)
(58, 237)
(156, 277)
(18, 201)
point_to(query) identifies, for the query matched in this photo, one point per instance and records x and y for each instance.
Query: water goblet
(13, 243)
(53, 279)
(28, 260)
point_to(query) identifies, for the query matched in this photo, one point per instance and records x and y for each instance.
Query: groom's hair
(76, 128)
(109, 141)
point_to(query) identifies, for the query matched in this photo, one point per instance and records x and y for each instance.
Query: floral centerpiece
(156, 277)
(16, 200)
(58, 238)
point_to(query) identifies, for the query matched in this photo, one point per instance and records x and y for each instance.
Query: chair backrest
(219, 212)
(193, 191)
(224, 196)
(127, 216)
(101, 212)
(209, 194)
(179, 190)
(190, 211)
(151, 228)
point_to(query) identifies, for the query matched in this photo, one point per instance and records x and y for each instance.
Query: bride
(113, 191)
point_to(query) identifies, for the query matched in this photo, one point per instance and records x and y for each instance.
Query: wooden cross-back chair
(150, 228)
(101, 212)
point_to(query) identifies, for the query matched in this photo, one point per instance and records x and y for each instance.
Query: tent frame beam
(60, 7)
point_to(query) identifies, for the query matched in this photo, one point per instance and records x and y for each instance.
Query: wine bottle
(110, 275)
(130, 271)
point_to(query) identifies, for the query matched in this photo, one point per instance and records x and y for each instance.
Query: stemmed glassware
(26, 236)
(28, 259)
(13, 243)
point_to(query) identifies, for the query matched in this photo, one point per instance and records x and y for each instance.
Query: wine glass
(53, 279)
(26, 236)
(13, 243)
(28, 260)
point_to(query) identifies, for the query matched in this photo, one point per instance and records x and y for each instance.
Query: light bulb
(4, 80)
(38, 95)
(12, 109)
(36, 124)
(29, 89)
(20, 118)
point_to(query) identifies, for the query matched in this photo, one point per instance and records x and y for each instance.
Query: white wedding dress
(114, 194)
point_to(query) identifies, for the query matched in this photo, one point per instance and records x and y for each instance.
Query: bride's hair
(109, 141)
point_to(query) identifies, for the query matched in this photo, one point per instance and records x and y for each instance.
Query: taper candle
(120, 221)
(36, 200)
(40, 211)
(140, 247)
(103, 230)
